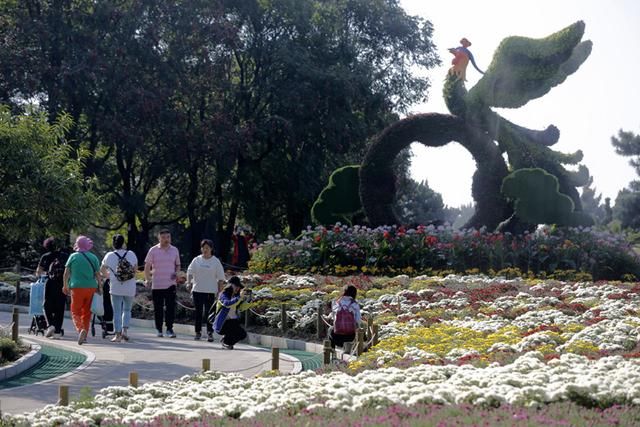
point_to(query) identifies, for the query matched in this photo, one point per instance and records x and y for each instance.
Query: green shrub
(9, 350)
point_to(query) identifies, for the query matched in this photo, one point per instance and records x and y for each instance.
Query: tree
(591, 203)
(418, 204)
(627, 207)
(198, 113)
(43, 189)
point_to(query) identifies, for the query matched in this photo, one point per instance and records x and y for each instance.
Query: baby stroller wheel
(104, 334)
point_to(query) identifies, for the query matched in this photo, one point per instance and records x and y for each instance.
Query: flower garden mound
(454, 341)
(570, 253)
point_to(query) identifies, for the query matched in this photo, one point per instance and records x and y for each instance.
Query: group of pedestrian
(217, 302)
(81, 275)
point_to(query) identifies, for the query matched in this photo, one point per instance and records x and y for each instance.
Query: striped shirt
(164, 264)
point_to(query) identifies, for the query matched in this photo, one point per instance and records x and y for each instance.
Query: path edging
(252, 338)
(25, 362)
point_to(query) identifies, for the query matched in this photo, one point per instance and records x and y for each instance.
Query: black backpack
(124, 271)
(56, 269)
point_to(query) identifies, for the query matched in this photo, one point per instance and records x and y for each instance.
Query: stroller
(36, 309)
(106, 320)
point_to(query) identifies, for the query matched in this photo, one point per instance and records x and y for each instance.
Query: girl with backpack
(120, 266)
(346, 317)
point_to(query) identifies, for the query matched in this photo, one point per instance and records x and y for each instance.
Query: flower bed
(393, 250)
(527, 381)
(456, 341)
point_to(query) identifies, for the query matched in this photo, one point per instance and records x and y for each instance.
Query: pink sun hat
(83, 244)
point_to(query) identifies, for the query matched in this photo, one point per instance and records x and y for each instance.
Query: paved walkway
(108, 364)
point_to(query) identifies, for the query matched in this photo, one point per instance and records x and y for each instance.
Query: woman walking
(205, 275)
(120, 266)
(52, 265)
(82, 279)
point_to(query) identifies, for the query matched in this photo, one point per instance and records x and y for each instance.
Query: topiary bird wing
(523, 69)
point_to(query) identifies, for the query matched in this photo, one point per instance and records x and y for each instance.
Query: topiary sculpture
(522, 69)
(537, 199)
(339, 200)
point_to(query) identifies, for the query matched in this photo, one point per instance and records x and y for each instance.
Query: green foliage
(591, 204)
(627, 208)
(9, 350)
(340, 199)
(418, 204)
(43, 189)
(539, 201)
(524, 69)
(377, 177)
(206, 113)
(628, 144)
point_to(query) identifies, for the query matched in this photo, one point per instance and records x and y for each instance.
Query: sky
(602, 97)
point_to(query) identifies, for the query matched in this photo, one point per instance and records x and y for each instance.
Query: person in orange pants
(82, 278)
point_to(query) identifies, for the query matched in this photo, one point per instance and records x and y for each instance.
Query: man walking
(160, 268)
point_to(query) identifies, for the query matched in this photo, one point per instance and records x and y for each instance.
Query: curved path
(154, 359)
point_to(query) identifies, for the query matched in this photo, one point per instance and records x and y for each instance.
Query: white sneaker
(50, 331)
(82, 337)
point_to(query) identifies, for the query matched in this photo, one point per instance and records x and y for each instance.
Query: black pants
(339, 340)
(232, 332)
(203, 302)
(164, 299)
(54, 304)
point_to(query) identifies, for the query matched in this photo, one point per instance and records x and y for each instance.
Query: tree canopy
(43, 189)
(198, 114)
(627, 207)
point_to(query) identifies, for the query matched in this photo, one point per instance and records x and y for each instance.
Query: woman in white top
(205, 274)
(120, 266)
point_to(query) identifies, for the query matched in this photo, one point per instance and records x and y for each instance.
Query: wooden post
(283, 316)
(133, 379)
(16, 324)
(376, 330)
(369, 327)
(327, 350)
(206, 365)
(275, 359)
(63, 395)
(247, 313)
(319, 322)
(360, 342)
(18, 269)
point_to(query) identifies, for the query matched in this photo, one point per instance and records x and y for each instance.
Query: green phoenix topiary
(522, 69)
(538, 199)
(339, 200)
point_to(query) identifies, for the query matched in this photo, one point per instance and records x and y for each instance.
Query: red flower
(386, 235)
(431, 240)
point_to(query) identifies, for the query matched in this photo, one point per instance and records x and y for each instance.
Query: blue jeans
(121, 311)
